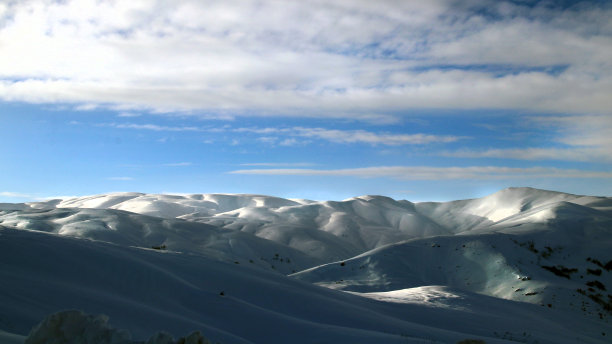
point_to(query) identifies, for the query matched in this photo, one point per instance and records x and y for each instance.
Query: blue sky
(432, 100)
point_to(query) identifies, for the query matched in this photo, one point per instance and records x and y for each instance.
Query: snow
(492, 260)
(169, 206)
(130, 229)
(352, 221)
(12, 206)
(464, 215)
(146, 292)
(10, 338)
(430, 296)
(521, 265)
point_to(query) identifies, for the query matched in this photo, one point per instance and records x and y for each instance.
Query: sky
(324, 100)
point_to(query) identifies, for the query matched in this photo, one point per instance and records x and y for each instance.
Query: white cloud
(276, 164)
(275, 135)
(363, 136)
(582, 131)
(351, 59)
(348, 136)
(293, 142)
(587, 138)
(29, 197)
(153, 127)
(128, 114)
(15, 194)
(562, 154)
(86, 107)
(437, 173)
(48, 198)
(120, 178)
(178, 164)
(268, 139)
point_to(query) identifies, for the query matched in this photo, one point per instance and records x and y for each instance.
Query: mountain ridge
(520, 250)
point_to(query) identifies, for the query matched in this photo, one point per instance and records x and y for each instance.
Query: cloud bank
(584, 138)
(308, 58)
(351, 136)
(14, 194)
(436, 173)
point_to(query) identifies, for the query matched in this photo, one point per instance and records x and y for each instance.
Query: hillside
(522, 265)
(146, 291)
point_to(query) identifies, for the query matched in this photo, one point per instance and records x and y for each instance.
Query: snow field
(521, 265)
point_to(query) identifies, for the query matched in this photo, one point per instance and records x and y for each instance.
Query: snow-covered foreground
(520, 265)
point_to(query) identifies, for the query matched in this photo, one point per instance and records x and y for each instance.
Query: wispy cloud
(10, 194)
(48, 198)
(268, 139)
(178, 164)
(568, 154)
(581, 131)
(86, 107)
(436, 173)
(278, 164)
(362, 136)
(128, 114)
(349, 136)
(30, 197)
(170, 164)
(153, 127)
(293, 142)
(120, 178)
(586, 138)
(287, 135)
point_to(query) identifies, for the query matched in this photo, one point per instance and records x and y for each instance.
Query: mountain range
(520, 265)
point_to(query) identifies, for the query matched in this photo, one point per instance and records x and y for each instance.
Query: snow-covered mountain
(130, 229)
(521, 265)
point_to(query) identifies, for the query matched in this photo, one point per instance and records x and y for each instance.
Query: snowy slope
(332, 230)
(11, 338)
(325, 230)
(145, 291)
(361, 223)
(169, 206)
(521, 265)
(466, 215)
(542, 256)
(130, 229)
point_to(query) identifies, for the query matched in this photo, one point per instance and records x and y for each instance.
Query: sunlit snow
(521, 265)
